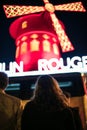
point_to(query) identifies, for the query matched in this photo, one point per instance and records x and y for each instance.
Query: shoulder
(67, 109)
(67, 112)
(30, 105)
(13, 98)
(75, 110)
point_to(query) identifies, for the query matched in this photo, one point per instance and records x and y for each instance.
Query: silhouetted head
(46, 84)
(47, 90)
(3, 80)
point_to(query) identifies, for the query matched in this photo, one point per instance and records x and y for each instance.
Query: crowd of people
(48, 108)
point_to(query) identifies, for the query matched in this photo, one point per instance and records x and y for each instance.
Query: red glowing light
(32, 48)
(38, 35)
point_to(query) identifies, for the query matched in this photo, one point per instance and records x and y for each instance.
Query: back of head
(45, 82)
(46, 85)
(47, 91)
(3, 80)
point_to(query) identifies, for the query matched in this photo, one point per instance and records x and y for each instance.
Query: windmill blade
(75, 6)
(65, 43)
(16, 10)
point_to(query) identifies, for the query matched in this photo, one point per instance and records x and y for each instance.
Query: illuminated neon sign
(13, 67)
(51, 66)
(55, 64)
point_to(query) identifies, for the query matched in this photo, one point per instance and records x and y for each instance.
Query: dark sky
(75, 25)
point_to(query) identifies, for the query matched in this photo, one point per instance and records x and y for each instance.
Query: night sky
(75, 27)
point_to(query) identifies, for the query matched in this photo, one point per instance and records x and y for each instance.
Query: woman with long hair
(47, 108)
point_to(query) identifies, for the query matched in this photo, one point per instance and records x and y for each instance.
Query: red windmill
(39, 32)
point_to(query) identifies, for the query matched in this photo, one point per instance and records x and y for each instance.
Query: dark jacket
(34, 118)
(10, 112)
(77, 118)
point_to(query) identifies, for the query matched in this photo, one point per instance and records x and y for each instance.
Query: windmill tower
(38, 33)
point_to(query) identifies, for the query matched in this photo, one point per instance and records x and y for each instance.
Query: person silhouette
(47, 108)
(10, 107)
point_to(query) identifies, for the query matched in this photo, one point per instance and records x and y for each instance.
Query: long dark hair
(48, 92)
